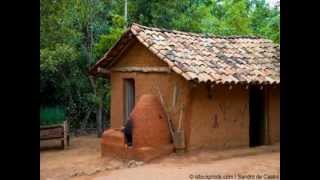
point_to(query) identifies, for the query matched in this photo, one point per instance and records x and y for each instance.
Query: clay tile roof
(203, 58)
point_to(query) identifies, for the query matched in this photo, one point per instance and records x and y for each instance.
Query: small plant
(51, 115)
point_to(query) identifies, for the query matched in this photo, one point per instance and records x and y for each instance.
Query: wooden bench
(56, 131)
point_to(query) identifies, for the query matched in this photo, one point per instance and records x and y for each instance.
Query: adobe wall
(274, 114)
(138, 55)
(221, 122)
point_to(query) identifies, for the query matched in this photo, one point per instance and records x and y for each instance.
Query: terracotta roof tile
(206, 58)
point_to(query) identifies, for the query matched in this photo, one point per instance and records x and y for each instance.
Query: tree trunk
(68, 90)
(125, 14)
(99, 117)
(88, 47)
(85, 120)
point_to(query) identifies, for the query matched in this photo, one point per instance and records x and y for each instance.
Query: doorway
(129, 98)
(257, 116)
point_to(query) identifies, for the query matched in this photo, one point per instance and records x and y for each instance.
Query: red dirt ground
(82, 161)
(265, 165)
(82, 157)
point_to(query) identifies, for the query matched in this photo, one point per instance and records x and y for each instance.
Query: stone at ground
(134, 163)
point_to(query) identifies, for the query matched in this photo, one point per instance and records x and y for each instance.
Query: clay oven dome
(150, 127)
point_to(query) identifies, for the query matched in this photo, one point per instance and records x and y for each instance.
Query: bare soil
(82, 157)
(82, 161)
(265, 165)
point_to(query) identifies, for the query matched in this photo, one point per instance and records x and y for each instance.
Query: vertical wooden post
(64, 133)
(180, 116)
(174, 95)
(266, 117)
(166, 111)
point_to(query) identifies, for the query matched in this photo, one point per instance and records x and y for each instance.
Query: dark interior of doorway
(257, 116)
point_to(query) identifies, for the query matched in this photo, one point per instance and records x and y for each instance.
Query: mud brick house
(229, 86)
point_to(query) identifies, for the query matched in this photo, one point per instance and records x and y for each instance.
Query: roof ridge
(204, 35)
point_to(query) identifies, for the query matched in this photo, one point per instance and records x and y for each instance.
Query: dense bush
(75, 34)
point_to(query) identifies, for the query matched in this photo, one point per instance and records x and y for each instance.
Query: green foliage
(52, 60)
(51, 115)
(265, 21)
(74, 34)
(236, 18)
(219, 17)
(106, 41)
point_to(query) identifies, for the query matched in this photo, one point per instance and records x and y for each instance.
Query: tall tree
(74, 34)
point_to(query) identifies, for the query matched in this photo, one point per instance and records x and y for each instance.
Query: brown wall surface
(274, 114)
(138, 55)
(220, 122)
(145, 83)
